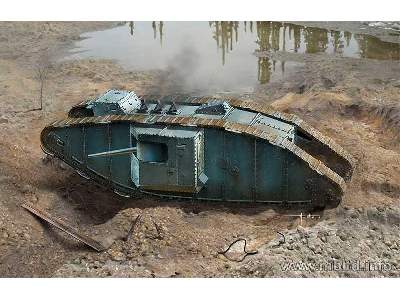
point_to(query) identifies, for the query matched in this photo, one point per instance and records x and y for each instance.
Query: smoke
(179, 75)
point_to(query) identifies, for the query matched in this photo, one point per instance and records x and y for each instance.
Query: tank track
(336, 174)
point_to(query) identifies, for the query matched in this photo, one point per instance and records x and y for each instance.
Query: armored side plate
(199, 147)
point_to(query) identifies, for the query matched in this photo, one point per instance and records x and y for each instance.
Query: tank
(201, 148)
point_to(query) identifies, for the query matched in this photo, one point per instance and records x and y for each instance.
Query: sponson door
(168, 158)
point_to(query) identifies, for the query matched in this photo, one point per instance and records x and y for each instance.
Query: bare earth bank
(353, 101)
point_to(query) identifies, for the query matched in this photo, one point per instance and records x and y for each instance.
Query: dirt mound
(362, 243)
(353, 101)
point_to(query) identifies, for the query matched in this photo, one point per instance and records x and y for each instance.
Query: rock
(335, 255)
(368, 243)
(275, 243)
(393, 217)
(312, 247)
(328, 83)
(302, 232)
(290, 239)
(323, 238)
(387, 241)
(46, 159)
(63, 166)
(26, 189)
(277, 250)
(380, 209)
(374, 226)
(76, 261)
(374, 214)
(117, 256)
(354, 214)
(5, 235)
(342, 235)
(394, 246)
(3, 121)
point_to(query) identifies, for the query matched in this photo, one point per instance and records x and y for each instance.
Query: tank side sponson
(309, 139)
(96, 128)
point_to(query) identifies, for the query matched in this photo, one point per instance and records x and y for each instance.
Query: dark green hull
(236, 157)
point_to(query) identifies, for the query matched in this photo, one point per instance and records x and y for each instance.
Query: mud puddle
(218, 57)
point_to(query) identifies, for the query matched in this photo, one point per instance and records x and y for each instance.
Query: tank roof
(113, 96)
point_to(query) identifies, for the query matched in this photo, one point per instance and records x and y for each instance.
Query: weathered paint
(216, 151)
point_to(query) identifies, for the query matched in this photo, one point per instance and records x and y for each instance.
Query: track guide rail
(68, 229)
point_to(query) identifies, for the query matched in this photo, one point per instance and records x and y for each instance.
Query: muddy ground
(354, 101)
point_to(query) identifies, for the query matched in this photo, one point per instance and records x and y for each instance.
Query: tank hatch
(214, 107)
(115, 102)
(168, 159)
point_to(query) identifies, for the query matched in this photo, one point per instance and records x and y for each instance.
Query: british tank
(202, 148)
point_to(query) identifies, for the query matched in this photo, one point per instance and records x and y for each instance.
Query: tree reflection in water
(287, 37)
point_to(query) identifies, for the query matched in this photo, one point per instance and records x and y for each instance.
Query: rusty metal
(133, 227)
(63, 226)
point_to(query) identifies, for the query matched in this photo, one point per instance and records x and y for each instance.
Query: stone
(290, 239)
(354, 214)
(323, 238)
(63, 166)
(374, 214)
(76, 261)
(393, 217)
(117, 256)
(342, 235)
(26, 189)
(275, 243)
(46, 159)
(335, 255)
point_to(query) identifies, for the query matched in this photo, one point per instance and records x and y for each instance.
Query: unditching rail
(68, 229)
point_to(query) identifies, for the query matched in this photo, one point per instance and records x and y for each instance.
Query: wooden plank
(68, 229)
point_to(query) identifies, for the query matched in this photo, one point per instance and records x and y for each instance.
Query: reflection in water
(224, 49)
(277, 36)
(154, 26)
(373, 47)
(160, 30)
(273, 36)
(223, 33)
